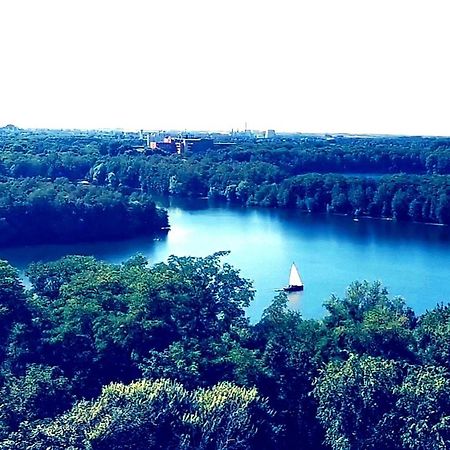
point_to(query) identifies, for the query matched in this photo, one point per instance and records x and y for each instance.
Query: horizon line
(185, 130)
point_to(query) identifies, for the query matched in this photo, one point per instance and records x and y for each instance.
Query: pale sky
(352, 66)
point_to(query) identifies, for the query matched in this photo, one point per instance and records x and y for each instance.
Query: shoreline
(353, 216)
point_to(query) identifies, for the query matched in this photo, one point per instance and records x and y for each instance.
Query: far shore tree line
(405, 178)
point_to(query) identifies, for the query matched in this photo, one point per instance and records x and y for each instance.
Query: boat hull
(293, 288)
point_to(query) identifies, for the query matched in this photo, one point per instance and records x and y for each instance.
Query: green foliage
(39, 211)
(13, 307)
(424, 408)
(104, 323)
(206, 301)
(366, 320)
(159, 414)
(231, 417)
(40, 393)
(356, 398)
(370, 403)
(292, 351)
(342, 174)
(12, 295)
(433, 336)
(47, 279)
(369, 375)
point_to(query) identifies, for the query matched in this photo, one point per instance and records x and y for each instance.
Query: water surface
(412, 260)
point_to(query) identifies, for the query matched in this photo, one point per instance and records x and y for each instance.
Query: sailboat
(295, 282)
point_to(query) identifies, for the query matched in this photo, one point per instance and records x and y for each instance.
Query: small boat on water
(295, 282)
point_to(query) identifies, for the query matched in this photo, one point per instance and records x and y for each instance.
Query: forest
(33, 210)
(132, 356)
(402, 178)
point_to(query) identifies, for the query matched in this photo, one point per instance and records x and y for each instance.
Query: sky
(312, 66)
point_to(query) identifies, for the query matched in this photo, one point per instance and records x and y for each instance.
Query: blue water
(412, 260)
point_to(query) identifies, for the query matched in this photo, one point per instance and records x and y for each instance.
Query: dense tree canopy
(405, 178)
(39, 211)
(102, 356)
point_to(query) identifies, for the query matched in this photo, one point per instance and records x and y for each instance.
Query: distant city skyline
(294, 66)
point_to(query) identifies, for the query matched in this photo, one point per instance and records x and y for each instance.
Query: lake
(412, 260)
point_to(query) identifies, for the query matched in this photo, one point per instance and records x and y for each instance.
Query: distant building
(181, 145)
(269, 134)
(168, 144)
(193, 145)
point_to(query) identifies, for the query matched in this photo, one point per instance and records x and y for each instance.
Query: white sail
(294, 277)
